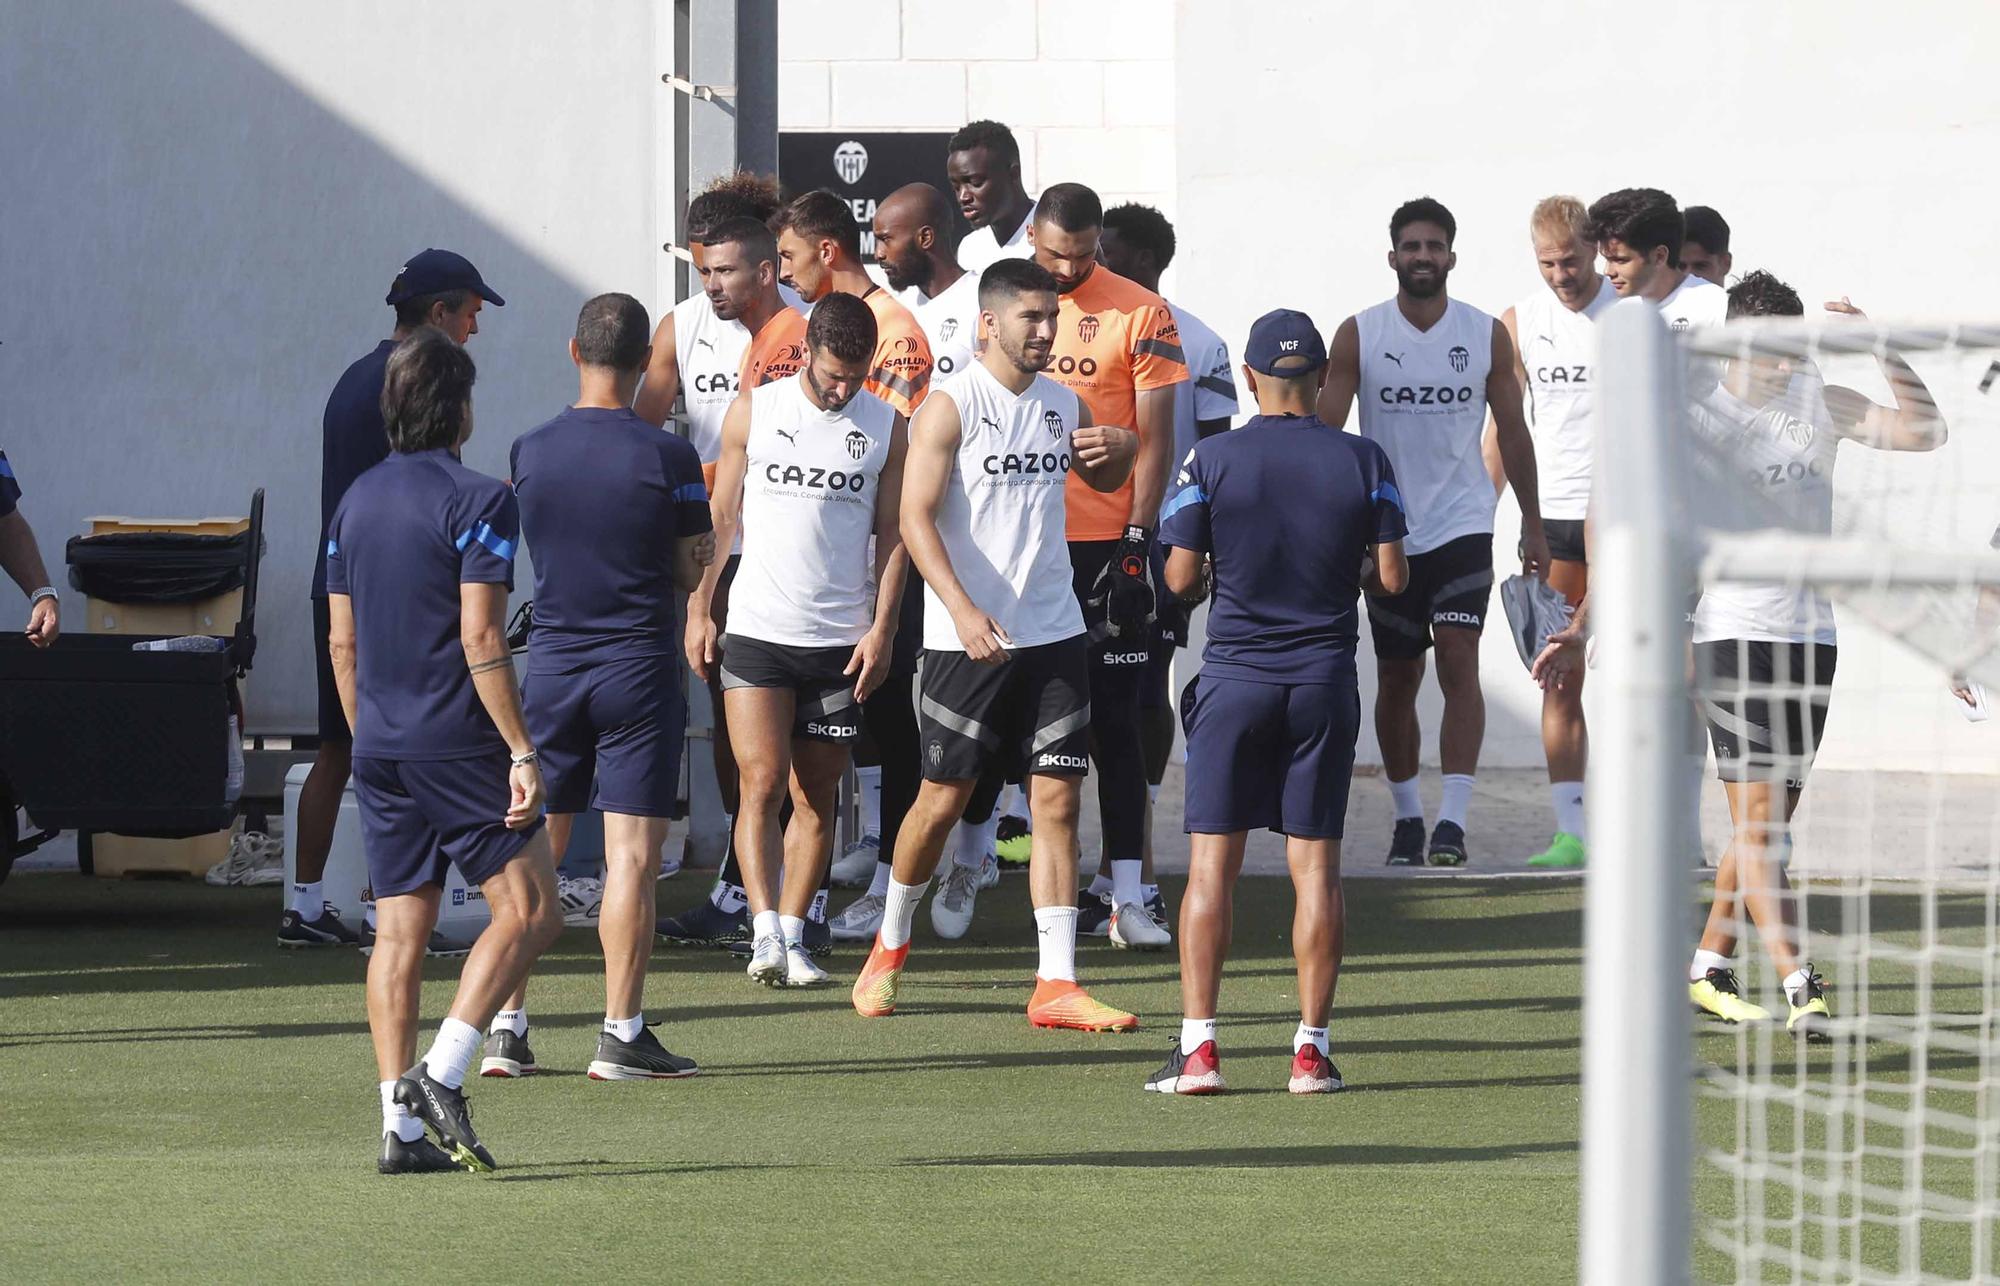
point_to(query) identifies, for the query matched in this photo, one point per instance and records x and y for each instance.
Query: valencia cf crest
(935, 752)
(1086, 327)
(1460, 359)
(1053, 419)
(946, 329)
(850, 162)
(857, 444)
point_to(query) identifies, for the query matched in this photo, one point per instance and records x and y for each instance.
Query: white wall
(207, 201)
(1850, 145)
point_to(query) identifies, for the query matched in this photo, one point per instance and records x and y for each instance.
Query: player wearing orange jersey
(1118, 349)
(819, 250)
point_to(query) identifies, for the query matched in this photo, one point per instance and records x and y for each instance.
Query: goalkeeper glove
(1126, 586)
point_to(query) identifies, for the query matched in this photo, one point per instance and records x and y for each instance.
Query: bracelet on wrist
(522, 761)
(46, 591)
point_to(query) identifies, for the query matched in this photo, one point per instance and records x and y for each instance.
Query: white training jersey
(809, 495)
(1210, 390)
(1423, 400)
(1696, 303)
(709, 352)
(978, 248)
(950, 323)
(1765, 468)
(1558, 348)
(1003, 521)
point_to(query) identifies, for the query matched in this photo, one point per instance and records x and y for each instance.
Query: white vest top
(1423, 400)
(1003, 518)
(709, 352)
(809, 494)
(1559, 349)
(978, 250)
(950, 323)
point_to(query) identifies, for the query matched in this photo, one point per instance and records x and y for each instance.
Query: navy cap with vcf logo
(435, 271)
(1285, 343)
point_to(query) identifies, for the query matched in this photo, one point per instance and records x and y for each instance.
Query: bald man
(915, 246)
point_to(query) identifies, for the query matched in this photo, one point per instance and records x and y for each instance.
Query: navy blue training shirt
(10, 487)
(604, 497)
(1287, 506)
(406, 535)
(352, 440)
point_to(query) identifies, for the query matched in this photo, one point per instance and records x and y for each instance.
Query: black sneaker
(642, 1058)
(1406, 846)
(1156, 909)
(1448, 845)
(445, 1110)
(294, 930)
(704, 925)
(507, 1055)
(1093, 915)
(419, 1157)
(440, 947)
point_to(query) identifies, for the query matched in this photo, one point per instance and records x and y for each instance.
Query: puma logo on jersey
(703, 341)
(988, 422)
(1393, 358)
(789, 435)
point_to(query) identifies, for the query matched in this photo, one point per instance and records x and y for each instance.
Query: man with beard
(1426, 368)
(983, 163)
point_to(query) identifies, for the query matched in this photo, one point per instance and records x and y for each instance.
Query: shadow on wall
(195, 249)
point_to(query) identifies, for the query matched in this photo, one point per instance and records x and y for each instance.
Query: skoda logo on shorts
(935, 752)
(850, 161)
(1459, 358)
(946, 329)
(1053, 419)
(857, 444)
(1086, 328)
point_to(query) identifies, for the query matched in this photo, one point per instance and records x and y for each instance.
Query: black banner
(864, 169)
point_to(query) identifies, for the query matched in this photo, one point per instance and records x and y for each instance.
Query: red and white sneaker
(1314, 1073)
(1196, 1073)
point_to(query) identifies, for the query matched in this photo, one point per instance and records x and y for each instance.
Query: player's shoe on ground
(671, 866)
(440, 947)
(506, 1055)
(951, 909)
(421, 1156)
(989, 873)
(856, 864)
(1717, 993)
(1133, 929)
(444, 1110)
(875, 990)
(767, 960)
(1156, 908)
(1196, 1073)
(1011, 842)
(581, 899)
(1093, 915)
(1406, 845)
(1811, 1020)
(703, 925)
(800, 971)
(643, 1058)
(294, 930)
(1564, 853)
(1314, 1073)
(1448, 845)
(861, 920)
(1067, 1005)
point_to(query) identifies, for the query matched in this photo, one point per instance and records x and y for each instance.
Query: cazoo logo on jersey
(1425, 395)
(814, 478)
(719, 382)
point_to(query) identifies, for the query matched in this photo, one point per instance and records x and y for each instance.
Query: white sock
(1456, 799)
(1055, 931)
(792, 929)
(728, 898)
(309, 900)
(1795, 982)
(1315, 1036)
(626, 1029)
(1152, 792)
(1100, 885)
(1404, 795)
(1149, 892)
(1195, 1032)
(869, 795)
(451, 1052)
(1012, 802)
(396, 1118)
(1567, 797)
(879, 886)
(972, 842)
(1703, 962)
(900, 910)
(1126, 876)
(513, 1020)
(766, 924)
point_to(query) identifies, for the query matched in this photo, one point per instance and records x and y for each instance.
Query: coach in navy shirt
(435, 288)
(616, 515)
(419, 560)
(1295, 518)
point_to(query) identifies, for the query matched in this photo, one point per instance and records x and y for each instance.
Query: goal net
(1795, 601)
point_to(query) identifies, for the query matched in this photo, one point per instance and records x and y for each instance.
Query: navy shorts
(332, 718)
(1450, 586)
(1269, 756)
(617, 726)
(825, 708)
(418, 814)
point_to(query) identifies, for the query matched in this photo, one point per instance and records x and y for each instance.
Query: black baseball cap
(1284, 343)
(436, 271)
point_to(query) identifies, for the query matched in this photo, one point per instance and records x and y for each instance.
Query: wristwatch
(520, 761)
